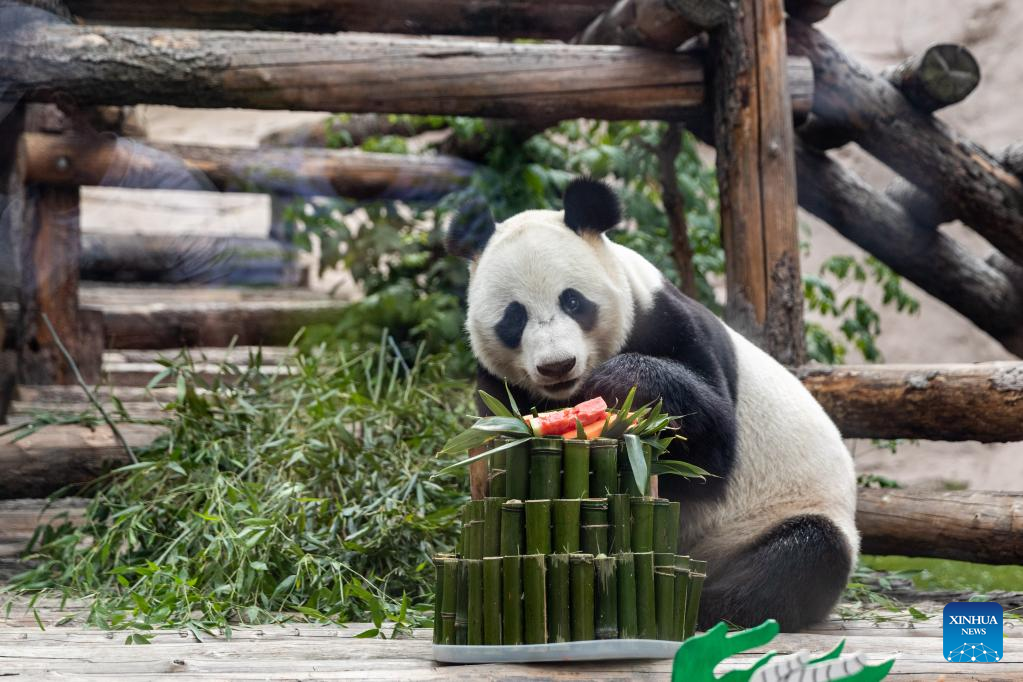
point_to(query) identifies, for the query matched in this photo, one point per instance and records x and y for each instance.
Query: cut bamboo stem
(545, 469)
(475, 544)
(576, 462)
(678, 630)
(517, 472)
(511, 606)
(462, 603)
(492, 526)
(449, 600)
(566, 526)
(535, 599)
(619, 509)
(492, 597)
(475, 608)
(607, 597)
(646, 614)
(582, 580)
(642, 532)
(559, 626)
(627, 623)
(594, 529)
(498, 476)
(697, 574)
(664, 593)
(513, 528)
(603, 467)
(438, 598)
(538, 526)
(663, 539)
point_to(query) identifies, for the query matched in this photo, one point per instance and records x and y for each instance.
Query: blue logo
(972, 632)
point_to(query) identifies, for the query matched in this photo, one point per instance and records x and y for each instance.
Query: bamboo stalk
(619, 518)
(474, 635)
(663, 542)
(566, 526)
(511, 607)
(664, 594)
(607, 597)
(517, 472)
(449, 602)
(603, 467)
(559, 627)
(576, 482)
(513, 528)
(582, 580)
(594, 529)
(642, 531)
(438, 598)
(535, 601)
(538, 526)
(627, 624)
(475, 545)
(697, 574)
(678, 629)
(462, 603)
(646, 614)
(497, 482)
(492, 595)
(545, 469)
(492, 526)
(593, 511)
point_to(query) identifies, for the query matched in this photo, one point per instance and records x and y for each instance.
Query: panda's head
(548, 298)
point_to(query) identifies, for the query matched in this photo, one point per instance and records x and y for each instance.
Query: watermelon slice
(591, 411)
(563, 422)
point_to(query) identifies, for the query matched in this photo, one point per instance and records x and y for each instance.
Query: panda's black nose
(556, 370)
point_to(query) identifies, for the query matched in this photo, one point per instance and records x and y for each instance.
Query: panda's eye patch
(512, 323)
(579, 308)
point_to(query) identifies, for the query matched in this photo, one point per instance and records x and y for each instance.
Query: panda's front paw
(613, 380)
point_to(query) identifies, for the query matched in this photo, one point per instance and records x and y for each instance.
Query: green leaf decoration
(496, 406)
(511, 400)
(502, 425)
(676, 467)
(637, 462)
(482, 455)
(580, 430)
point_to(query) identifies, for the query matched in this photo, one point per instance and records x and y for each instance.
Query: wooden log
(985, 527)
(915, 144)
(505, 18)
(354, 73)
(930, 259)
(982, 402)
(70, 160)
(342, 131)
(941, 75)
(12, 207)
(756, 179)
(59, 456)
(657, 24)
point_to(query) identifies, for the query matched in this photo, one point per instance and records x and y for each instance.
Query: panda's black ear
(591, 206)
(470, 229)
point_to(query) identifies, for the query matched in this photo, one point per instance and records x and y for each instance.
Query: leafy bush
(310, 494)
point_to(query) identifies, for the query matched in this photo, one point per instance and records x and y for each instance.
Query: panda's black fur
(678, 351)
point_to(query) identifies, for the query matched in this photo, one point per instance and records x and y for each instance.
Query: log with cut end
(99, 160)
(941, 75)
(985, 527)
(929, 258)
(657, 24)
(918, 146)
(982, 402)
(355, 73)
(506, 18)
(810, 10)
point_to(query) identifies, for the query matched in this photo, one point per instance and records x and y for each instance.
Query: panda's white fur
(789, 457)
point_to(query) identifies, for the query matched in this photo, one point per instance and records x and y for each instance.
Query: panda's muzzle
(556, 370)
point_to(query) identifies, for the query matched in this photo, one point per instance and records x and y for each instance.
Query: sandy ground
(880, 32)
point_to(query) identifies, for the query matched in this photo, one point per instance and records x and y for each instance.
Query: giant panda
(562, 314)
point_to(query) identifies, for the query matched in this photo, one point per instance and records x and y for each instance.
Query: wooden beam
(756, 179)
(985, 527)
(982, 292)
(918, 146)
(355, 73)
(12, 222)
(506, 18)
(59, 456)
(981, 402)
(810, 11)
(70, 160)
(657, 24)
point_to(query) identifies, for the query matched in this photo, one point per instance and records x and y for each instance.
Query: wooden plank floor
(302, 651)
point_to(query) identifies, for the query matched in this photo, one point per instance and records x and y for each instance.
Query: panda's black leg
(794, 574)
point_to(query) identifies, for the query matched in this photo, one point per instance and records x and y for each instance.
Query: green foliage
(308, 494)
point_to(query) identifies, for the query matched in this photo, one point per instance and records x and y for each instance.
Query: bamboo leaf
(501, 425)
(677, 467)
(511, 400)
(482, 455)
(466, 440)
(637, 462)
(580, 430)
(495, 405)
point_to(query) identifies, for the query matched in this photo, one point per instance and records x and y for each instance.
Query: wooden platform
(302, 651)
